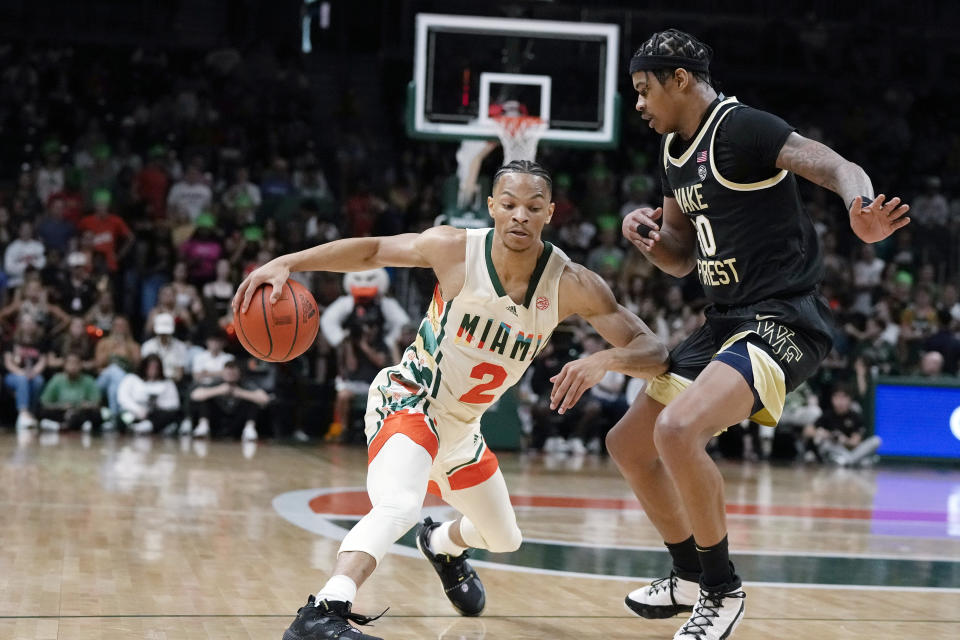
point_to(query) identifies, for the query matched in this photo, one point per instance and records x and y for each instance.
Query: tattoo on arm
(822, 165)
(810, 159)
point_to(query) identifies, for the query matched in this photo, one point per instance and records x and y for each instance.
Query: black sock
(715, 562)
(685, 559)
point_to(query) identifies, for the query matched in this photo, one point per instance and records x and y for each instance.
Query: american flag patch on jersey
(702, 157)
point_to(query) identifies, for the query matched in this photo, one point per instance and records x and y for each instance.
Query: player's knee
(505, 540)
(616, 441)
(624, 446)
(402, 509)
(673, 431)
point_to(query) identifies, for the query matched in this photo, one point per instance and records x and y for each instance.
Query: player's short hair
(523, 166)
(673, 43)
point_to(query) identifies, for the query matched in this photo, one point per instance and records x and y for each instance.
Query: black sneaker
(460, 582)
(327, 621)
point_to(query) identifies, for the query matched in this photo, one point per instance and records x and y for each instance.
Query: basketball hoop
(519, 136)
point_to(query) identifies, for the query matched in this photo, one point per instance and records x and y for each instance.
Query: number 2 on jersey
(477, 394)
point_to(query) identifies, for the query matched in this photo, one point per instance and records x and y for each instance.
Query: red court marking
(356, 503)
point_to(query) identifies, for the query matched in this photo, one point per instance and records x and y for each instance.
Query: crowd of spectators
(129, 216)
(145, 184)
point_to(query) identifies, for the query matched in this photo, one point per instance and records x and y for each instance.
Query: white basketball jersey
(471, 349)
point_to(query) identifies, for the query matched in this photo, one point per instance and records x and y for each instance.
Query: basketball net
(519, 136)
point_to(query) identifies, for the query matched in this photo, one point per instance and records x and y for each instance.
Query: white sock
(470, 535)
(338, 589)
(440, 541)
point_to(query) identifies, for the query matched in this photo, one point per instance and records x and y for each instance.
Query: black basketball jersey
(754, 240)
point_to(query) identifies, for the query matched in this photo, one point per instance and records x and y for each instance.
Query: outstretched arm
(871, 220)
(636, 351)
(427, 249)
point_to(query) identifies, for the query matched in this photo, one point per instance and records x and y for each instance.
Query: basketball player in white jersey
(499, 296)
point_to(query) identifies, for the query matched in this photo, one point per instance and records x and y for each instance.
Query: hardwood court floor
(160, 539)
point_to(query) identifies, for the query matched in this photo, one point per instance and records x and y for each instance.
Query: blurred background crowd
(139, 184)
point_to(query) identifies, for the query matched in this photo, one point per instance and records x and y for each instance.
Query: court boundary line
(96, 507)
(291, 506)
(748, 551)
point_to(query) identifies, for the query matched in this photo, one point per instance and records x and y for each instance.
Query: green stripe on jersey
(488, 257)
(476, 457)
(537, 273)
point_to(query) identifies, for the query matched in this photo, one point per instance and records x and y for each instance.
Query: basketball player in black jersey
(731, 211)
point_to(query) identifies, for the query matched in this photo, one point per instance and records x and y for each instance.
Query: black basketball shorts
(775, 344)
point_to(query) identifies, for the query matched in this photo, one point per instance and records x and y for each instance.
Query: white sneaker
(300, 436)
(49, 425)
(576, 447)
(202, 430)
(550, 444)
(142, 426)
(715, 616)
(86, 427)
(249, 432)
(186, 427)
(664, 598)
(555, 444)
(25, 421)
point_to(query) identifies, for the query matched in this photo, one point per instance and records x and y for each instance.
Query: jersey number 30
(477, 394)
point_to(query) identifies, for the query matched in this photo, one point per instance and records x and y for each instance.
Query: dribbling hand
(641, 228)
(274, 273)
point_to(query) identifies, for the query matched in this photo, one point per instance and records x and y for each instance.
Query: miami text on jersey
(499, 334)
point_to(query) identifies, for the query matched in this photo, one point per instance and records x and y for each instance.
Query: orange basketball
(280, 331)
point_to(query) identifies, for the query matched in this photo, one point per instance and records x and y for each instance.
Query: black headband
(653, 63)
